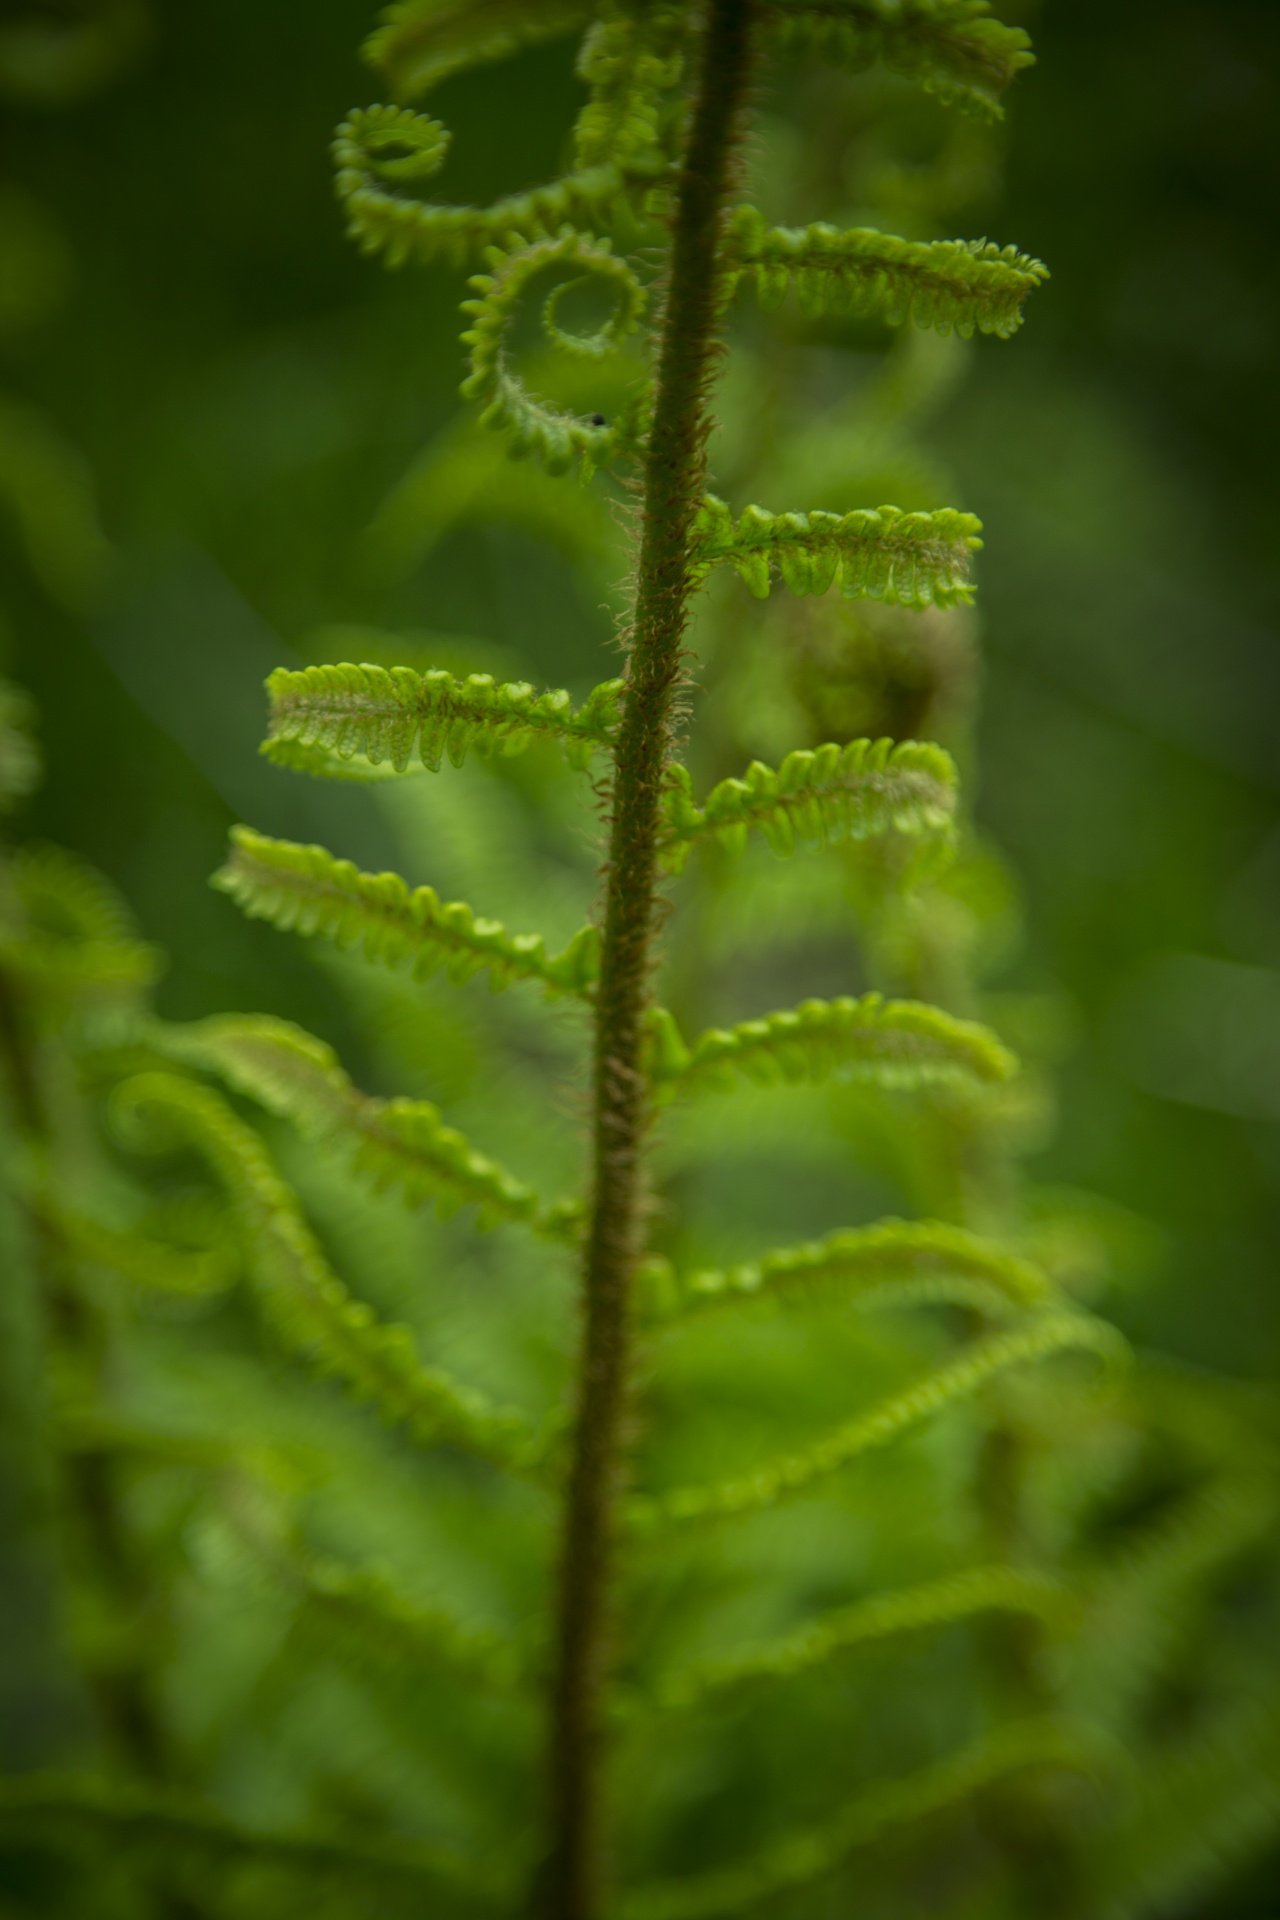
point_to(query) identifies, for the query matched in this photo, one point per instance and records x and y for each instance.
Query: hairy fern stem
(673, 473)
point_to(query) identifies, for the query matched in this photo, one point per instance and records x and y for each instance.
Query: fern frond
(64, 1807)
(803, 1856)
(866, 790)
(951, 48)
(357, 722)
(306, 890)
(20, 766)
(533, 426)
(891, 1043)
(71, 933)
(934, 1603)
(419, 43)
(953, 286)
(632, 59)
(377, 148)
(361, 1614)
(394, 1143)
(1035, 1338)
(304, 1299)
(909, 559)
(892, 1261)
(152, 1264)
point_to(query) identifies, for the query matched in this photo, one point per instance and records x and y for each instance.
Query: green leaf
(909, 559)
(934, 1603)
(951, 285)
(866, 790)
(363, 722)
(153, 1820)
(801, 1856)
(399, 1143)
(304, 1299)
(891, 1263)
(67, 934)
(891, 1043)
(951, 48)
(1034, 1339)
(306, 890)
(419, 43)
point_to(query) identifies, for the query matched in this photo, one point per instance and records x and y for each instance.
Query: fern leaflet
(419, 43)
(866, 790)
(950, 48)
(1034, 1339)
(305, 890)
(951, 285)
(891, 1043)
(356, 722)
(304, 1299)
(394, 1143)
(908, 559)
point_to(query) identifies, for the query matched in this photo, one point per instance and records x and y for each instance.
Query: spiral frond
(891, 1043)
(66, 932)
(419, 43)
(533, 426)
(951, 48)
(934, 1603)
(365, 722)
(953, 286)
(393, 1144)
(892, 1262)
(303, 1298)
(306, 890)
(147, 1820)
(804, 1855)
(864, 791)
(1034, 1339)
(908, 559)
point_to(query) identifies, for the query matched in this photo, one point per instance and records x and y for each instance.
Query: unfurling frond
(304, 1299)
(533, 426)
(19, 754)
(359, 1614)
(419, 43)
(863, 791)
(124, 1817)
(67, 933)
(890, 1043)
(306, 890)
(362, 722)
(377, 148)
(952, 48)
(1033, 1339)
(951, 285)
(934, 1603)
(910, 559)
(909, 1261)
(800, 1857)
(400, 1144)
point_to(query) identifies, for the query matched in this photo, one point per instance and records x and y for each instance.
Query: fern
(421, 42)
(1038, 1337)
(307, 890)
(355, 721)
(889, 1043)
(867, 790)
(307, 1303)
(951, 48)
(402, 1144)
(959, 286)
(908, 559)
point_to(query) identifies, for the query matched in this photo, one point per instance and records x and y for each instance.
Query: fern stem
(673, 472)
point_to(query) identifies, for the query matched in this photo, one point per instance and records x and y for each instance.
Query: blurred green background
(247, 390)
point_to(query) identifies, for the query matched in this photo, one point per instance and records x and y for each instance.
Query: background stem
(674, 468)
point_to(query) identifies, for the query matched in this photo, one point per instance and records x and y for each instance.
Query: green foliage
(951, 48)
(357, 722)
(304, 889)
(900, 1044)
(959, 286)
(864, 791)
(421, 42)
(908, 559)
